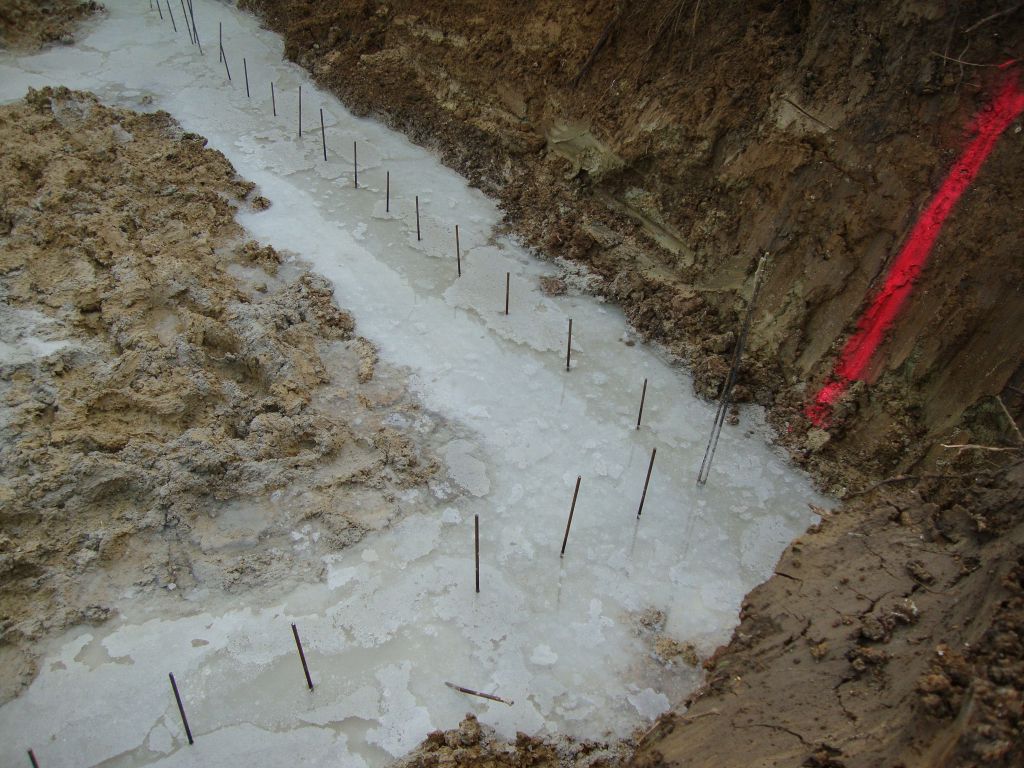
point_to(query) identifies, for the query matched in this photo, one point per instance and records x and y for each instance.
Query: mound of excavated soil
(176, 402)
(30, 24)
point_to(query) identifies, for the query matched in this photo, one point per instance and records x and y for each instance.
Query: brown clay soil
(199, 391)
(666, 146)
(31, 24)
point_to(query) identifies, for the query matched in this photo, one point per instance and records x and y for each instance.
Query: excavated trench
(652, 153)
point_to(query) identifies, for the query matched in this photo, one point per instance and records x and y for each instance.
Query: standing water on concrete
(387, 622)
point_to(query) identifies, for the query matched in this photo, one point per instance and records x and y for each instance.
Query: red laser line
(853, 361)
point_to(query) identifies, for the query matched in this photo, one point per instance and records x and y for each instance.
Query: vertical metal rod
(159, 11)
(245, 69)
(355, 164)
(195, 29)
(273, 99)
(323, 133)
(302, 657)
(643, 496)
(476, 537)
(458, 252)
(508, 280)
(220, 40)
(170, 14)
(417, 217)
(188, 27)
(31, 754)
(300, 111)
(643, 396)
(723, 404)
(572, 509)
(387, 193)
(568, 346)
(224, 58)
(181, 708)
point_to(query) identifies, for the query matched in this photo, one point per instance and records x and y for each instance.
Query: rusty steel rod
(647, 481)
(302, 657)
(572, 509)
(643, 396)
(323, 133)
(195, 29)
(482, 695)
(188, 27)
(181, 708)
(224, 58)
(568, 347)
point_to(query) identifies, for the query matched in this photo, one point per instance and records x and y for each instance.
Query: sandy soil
(31, 24)
(665, 146)
(473, 744)
(178, 406)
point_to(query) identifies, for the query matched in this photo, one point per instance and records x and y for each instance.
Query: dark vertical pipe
(188, 27)
(32, 759)
(245, 69)
(220, 40)
(181, 708)
(323, 133)
(159, 11)
(300, 111)
(387, 193)
(355, 164)
(643, 396)
(417, 217)
(458, 252)
(730, 381)
(170, 14)
(273, 99)
(508, 280)
(302, 657)
(476, 538)
(195, 29)
(572, 509)
(568, 346)
(643, 497)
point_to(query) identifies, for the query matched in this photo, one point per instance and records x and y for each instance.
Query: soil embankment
(185, 412)
(30, 24)
(665, 146)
